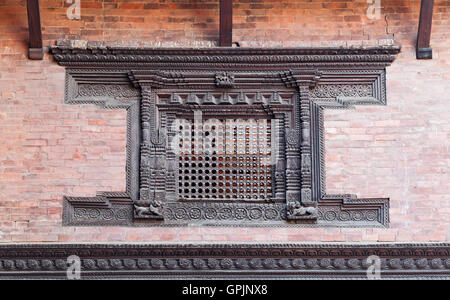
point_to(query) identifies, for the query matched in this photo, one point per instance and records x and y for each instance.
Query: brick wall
(50, 149)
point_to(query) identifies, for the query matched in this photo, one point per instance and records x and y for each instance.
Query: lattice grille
(225, 160)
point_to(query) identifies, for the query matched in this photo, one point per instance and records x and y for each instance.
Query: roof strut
(226, 23)
(423, 49)
(35, 45)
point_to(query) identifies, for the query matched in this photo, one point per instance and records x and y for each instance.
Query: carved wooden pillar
(293, 176)
(153, 169)
(305, 149)
(280, 156)
(172, 163)
(300, 204)
(144, 196)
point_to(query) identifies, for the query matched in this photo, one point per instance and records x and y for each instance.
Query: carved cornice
(244, 261)
(126, 56)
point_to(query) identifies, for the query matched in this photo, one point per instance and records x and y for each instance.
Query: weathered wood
(424, 51)
(35, 44)
(226, 23)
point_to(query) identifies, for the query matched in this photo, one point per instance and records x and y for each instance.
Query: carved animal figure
(155, 209)
(297, 210)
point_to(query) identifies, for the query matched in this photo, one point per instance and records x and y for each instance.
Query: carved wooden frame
(321, 78)
(224, 261)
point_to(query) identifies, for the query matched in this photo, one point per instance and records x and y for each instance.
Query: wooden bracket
(423, 49)
(226, 23)
(35, 45)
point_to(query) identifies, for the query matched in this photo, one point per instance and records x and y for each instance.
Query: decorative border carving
(219, 261)
(108, 209)
(322, 78)
(97, 55)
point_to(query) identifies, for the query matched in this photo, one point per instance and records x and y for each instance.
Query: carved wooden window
(265, 166)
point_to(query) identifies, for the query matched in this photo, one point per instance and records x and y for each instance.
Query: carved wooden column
(305, 149)
(293, 176)
(280, 156)
(153, 161)
(300, 205)
(172, 163)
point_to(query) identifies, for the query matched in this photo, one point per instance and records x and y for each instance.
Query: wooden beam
(226, 23)
(423, 48)
(35, 45)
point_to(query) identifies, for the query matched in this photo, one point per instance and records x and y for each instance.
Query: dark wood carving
(35, 44)
(288, 87)
(423, 49)
(222, 261)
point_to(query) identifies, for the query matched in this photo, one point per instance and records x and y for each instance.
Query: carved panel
(346, 90)
(104, 90)
(220, 261)
(287, 87)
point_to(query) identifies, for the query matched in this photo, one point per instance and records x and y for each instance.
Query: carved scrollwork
(289, 261)
(111, 90)
(345, 90)
(293, 139)
(158, 138)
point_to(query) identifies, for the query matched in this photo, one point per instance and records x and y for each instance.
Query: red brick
(50, 149)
